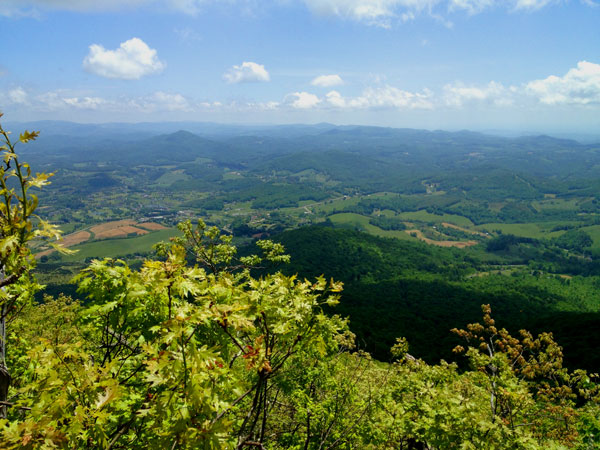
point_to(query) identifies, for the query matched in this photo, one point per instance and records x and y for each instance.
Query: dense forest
(322, 336)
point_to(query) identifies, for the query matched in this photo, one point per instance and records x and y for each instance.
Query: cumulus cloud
(579, 86)
(327, 81)
(458, 94)
(335, 99)
(131, 61)
(301, 100)
(247, 72)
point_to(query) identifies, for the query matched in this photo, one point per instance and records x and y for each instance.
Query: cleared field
(123, 228)
(530, 230)
(456, 227)
(329, 206)
(352, 220)
(101, 228)
(457, 244)
(116, 248)
(168, 178)
(424, 216)
(68, 241)
(152, 226)
(123, 231)
(76, 238)
(557, 204)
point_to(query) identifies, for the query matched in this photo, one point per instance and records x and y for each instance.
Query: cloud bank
(578, 88)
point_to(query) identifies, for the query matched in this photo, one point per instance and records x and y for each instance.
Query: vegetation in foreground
(192, 351)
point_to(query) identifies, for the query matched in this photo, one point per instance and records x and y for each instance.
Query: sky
(522, 65)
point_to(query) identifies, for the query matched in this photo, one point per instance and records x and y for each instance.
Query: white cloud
(131, 61)
(84, 102)
(384, 97)
(384, 12)
(17, 96)
(335, 99)
(61, 100)
(458, 94)
(579, 86)
(375, 12)
(532, 4)
(247, 72)
(372, 12)
(302, 100)
(327, 81)
(471, 6)
(171, 102)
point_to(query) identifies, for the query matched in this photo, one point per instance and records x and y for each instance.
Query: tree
(175, 355)
(527, 383)
(19, 225)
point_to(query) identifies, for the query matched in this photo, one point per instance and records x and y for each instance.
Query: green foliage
(19, 226)
(577, 240)
(170, 354)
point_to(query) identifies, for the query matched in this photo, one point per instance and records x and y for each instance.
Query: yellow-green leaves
(27, 136)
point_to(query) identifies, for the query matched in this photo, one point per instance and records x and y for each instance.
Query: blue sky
(524, 65)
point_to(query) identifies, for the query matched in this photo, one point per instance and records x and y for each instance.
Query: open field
(168, 178)
(107, 226)
(151, 226)
(109, 230)
(457, 244)
(424, 216)
(329, 206)
(117, 248)
(123, 228)
(361, 222)
(68, 241)
(529, 230)
(76, 238)
(120, 232)
(352, 220)
(456, 227)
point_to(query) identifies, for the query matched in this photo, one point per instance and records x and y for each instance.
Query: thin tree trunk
(4, 373)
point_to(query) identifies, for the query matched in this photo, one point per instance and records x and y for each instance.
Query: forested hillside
(421, 292)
